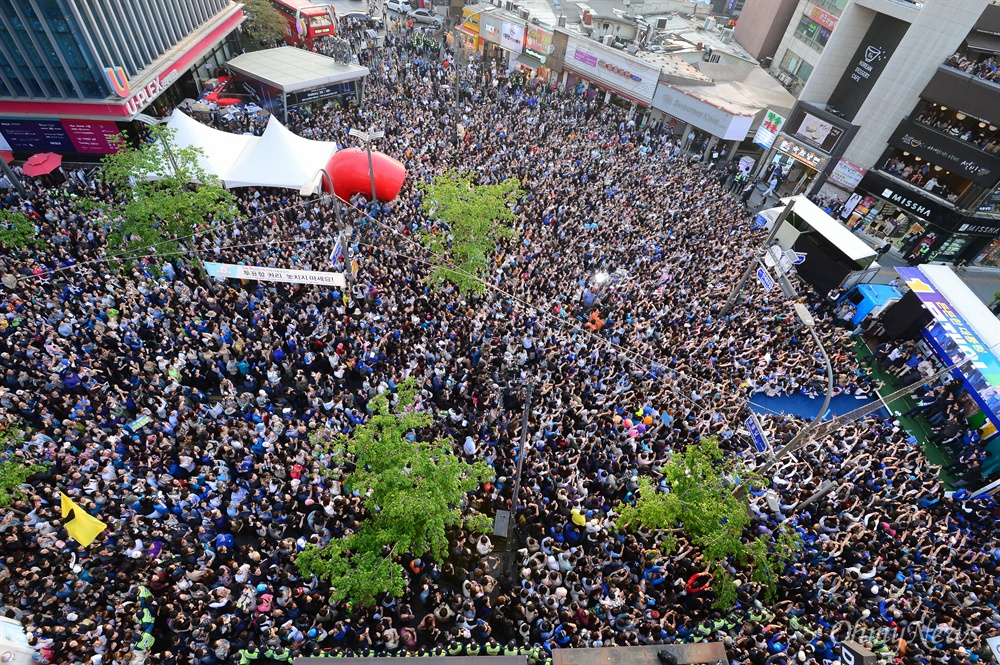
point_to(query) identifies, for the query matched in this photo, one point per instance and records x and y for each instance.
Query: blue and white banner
(231, 271)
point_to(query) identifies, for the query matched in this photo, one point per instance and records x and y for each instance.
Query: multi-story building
(806, 35)
(75, 72)
(762, 24)
(899, 120)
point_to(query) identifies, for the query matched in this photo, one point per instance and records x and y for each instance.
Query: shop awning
(984, 42)
(528, 61)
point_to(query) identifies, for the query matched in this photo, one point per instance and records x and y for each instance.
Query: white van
(14, 647)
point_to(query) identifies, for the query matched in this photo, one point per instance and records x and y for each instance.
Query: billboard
(821, 133)
(847, 174)
(957, 338)
(615, 70)
(866, 66)
(59, 136)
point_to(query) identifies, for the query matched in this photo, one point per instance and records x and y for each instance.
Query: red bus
(306, 22)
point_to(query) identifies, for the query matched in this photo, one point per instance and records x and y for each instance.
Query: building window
(812, 33)
(835, 7)
(795, 65)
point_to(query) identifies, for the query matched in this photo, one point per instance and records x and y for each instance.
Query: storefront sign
(151, 91)
(317, 94)
(701, 114)
(865, 68)
(847, 174)
(512, 36)
(118, 81)
(539, 43)
(768, 130)
(490, 28)
(954, 155)
(981, 227)
(61, 136)
(800, 153)
(825, 19)
(900, 196)
(617, 71)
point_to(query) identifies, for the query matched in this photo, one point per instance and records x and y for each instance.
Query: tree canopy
(16, 230)
(701, 503)
(14, 469)
(470, 220)
(160, 216)
(264, 25)
(413, 490)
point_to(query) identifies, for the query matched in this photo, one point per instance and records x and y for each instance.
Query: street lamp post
(343, 233)
(738, 289)
(366, 138)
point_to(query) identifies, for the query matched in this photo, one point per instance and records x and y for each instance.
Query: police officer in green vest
(455, 648)
(492, 648)
(278, 653)
(249, 654)
(145, 642)
(145, 619)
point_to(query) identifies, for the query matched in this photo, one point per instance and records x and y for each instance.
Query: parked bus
(306, 22)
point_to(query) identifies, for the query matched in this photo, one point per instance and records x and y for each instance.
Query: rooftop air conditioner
(727, 35)
(523, 13)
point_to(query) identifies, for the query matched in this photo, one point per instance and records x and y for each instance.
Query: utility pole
(521, 448)
(502, 525)
(738, 289)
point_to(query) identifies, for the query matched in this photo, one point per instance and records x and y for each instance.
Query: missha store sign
(614, 69)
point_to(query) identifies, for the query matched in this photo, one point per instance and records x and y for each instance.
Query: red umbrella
(7, 156)
(42, 164)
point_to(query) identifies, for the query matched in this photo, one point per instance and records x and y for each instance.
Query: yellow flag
(81, 527)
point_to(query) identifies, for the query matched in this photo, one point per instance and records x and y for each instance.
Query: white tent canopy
(279, 158)
(220, 150)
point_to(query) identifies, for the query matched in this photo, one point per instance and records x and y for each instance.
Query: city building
(806, 35)
(762, 24)
(899, 122)
(74, 73)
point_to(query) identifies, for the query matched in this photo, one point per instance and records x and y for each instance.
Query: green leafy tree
(471, 219)
(166, 197)
(264, 25)
(14, 469)
(413, 492)
(17, 231)
(700, 502)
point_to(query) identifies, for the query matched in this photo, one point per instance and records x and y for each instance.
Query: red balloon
(349, 171)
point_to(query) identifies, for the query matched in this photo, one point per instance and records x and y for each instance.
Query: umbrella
(7, 156)
(41, 164)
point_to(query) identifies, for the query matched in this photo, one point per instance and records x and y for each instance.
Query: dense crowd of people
(178, 410)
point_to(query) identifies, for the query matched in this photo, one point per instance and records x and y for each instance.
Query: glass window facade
(58, 49)
(812, 33)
